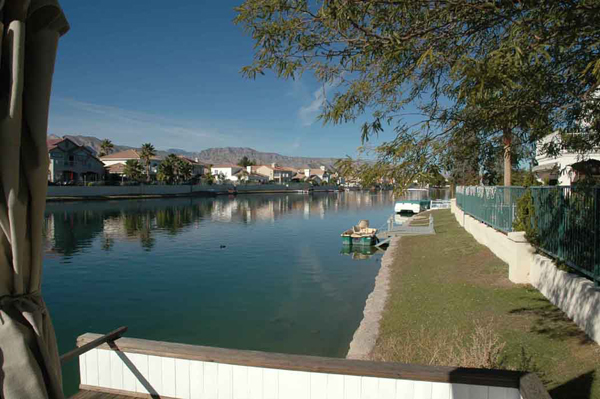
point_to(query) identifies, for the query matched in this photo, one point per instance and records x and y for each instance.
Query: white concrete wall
(187, 379)
(512, 248)
(576, 296)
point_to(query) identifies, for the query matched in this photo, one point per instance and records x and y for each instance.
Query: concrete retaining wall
(574, 295)
(158, 190)
(115, 191)
(512, 248)
(273, 188)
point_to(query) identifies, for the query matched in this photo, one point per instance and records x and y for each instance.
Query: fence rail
(566, 220)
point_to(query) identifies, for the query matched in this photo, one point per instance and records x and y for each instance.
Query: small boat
(414, 206)
(360, 234)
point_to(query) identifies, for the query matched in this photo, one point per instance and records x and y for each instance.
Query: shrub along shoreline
(450, 303)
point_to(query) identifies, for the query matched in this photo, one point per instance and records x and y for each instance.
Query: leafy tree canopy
(245, 161)
(477, 72)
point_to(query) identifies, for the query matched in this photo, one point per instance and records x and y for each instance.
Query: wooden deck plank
(92, 392)
(98, 395)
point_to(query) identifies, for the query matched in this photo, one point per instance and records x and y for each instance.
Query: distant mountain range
(217, 155)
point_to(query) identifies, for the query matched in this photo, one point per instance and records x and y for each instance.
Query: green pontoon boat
(361, 235)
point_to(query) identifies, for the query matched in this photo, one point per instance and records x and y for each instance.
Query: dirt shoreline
(365, 337)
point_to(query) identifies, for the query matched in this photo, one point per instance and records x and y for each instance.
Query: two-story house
(70, 162)
(565, 168)
(276, 173)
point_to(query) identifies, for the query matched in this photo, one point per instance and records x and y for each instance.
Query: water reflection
(359, 252)
(73, 227)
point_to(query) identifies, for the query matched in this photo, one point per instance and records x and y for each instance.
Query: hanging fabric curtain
(29, 362)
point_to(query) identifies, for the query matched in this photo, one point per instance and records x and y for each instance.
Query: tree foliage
(133, 169)
(472, 71)
(174, 169)
(245, 161)
(106, 147)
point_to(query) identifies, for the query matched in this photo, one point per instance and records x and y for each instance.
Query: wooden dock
(418, 225)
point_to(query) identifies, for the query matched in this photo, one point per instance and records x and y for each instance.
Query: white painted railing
(140, 368)
(440, 204)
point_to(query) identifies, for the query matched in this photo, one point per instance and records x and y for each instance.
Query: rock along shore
(365, 337)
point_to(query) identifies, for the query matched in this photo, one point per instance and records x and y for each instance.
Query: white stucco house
(321, 174)
(226, 172)
(567, 167)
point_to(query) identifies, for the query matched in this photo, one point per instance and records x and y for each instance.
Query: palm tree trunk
(507, 142)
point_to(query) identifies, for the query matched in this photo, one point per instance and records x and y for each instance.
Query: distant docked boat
(361, 235)
(414, 206)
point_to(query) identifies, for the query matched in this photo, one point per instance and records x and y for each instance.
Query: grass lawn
(450, 301)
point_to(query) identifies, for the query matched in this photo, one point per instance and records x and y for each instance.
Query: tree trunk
(507, 142)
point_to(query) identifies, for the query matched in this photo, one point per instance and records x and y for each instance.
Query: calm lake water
(281, 282)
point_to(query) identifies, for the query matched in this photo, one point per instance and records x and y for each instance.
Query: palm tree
(106, 147)
(186, 170)
(167, 170)
(146, 154)
(133, 169)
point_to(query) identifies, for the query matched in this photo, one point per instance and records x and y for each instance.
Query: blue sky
(168, 73)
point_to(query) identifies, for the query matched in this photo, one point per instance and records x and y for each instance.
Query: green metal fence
(566, 220)
(495, 206)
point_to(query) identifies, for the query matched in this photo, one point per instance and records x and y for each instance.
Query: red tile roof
(53, 143)
(127, 154)
(227, 165)
(116, 168)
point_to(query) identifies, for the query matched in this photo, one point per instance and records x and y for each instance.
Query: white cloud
(124, 126)
(309, 112)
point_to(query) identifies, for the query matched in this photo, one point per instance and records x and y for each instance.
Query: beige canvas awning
(29, 362)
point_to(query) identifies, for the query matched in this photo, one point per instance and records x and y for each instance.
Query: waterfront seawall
(61, 193)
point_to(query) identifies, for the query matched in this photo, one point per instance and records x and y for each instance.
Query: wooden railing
(88, 346)
(154, 364)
